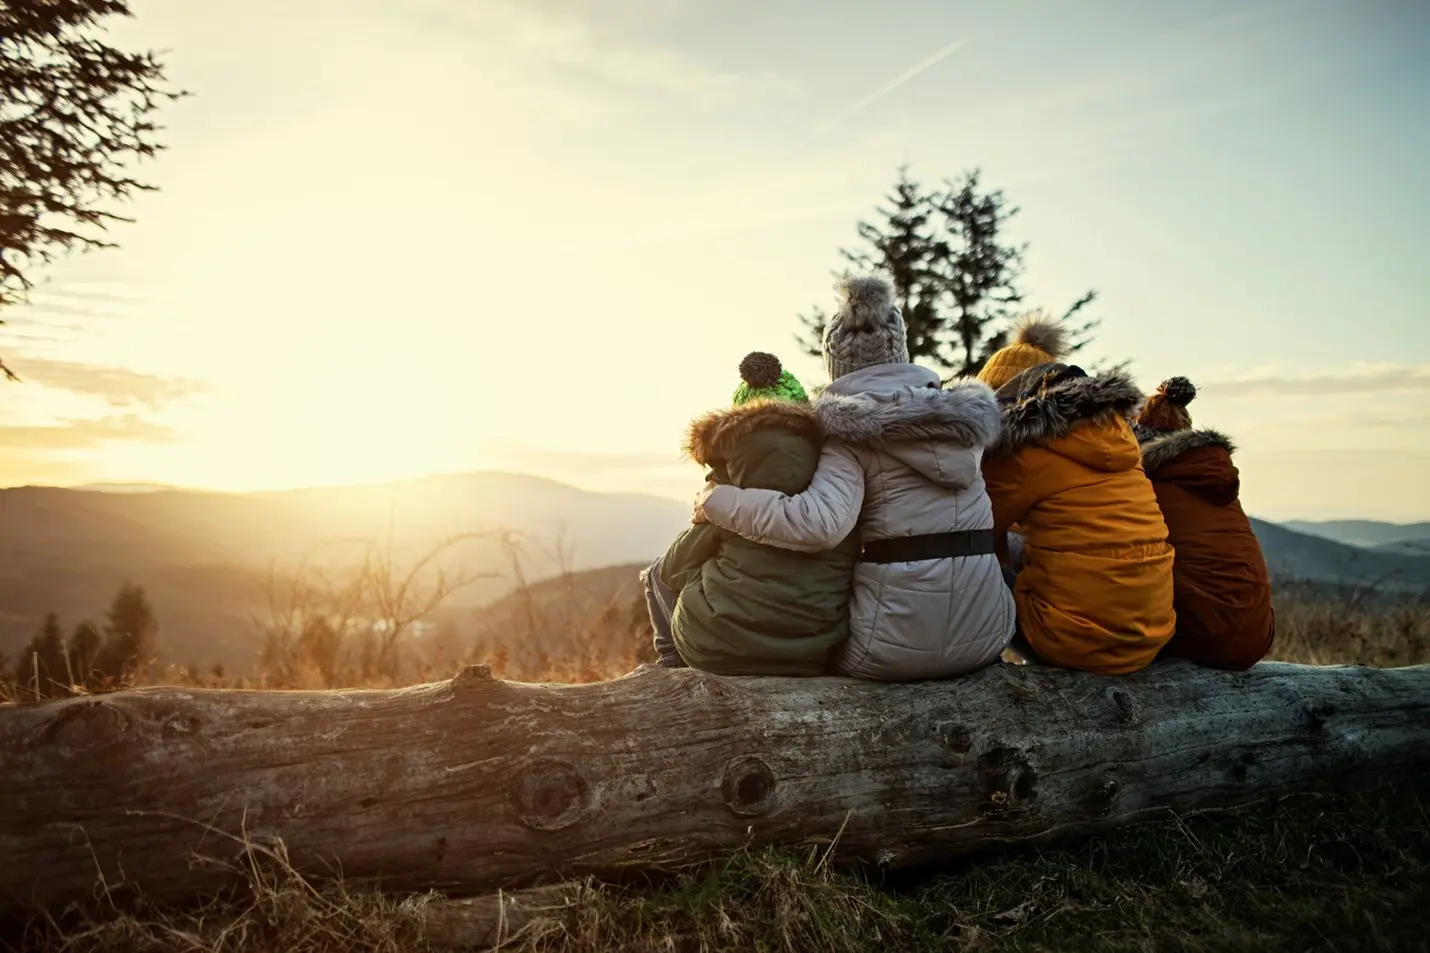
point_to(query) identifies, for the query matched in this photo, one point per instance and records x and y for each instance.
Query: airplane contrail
(928, 62)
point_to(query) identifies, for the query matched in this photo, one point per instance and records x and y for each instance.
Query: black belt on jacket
(913, 549)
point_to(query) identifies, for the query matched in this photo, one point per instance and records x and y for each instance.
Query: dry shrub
(592, 626)
(277, 911)
(1328, 625)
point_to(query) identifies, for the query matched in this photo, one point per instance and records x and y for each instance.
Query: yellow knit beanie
(1037, 339)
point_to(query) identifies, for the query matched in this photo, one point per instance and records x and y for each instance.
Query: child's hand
(698, 515)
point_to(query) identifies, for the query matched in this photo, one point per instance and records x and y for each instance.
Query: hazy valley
(205, 558)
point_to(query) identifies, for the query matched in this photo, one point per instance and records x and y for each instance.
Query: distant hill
(1367, 533)
(1291, 554)
(598, 613)
(204, 557)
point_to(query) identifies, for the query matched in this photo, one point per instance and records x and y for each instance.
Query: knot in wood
(84, 725)
(1124, 706)
(1106, 796)
(180, 724)
(1314, 714)
(1007, 777)
(473, 673)
(955, 739)
(549, 795)
(747, 785)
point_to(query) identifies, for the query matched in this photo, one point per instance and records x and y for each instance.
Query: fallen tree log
(476, 783)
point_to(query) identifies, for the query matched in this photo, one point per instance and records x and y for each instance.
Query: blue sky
(406, 237)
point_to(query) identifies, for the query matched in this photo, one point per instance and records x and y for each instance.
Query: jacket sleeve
(813, 521)
(1010, 492)
(688, 553)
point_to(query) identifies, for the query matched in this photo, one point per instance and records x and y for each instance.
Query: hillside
(1406, 547)
(205, 557)
(1295, 555)
(573, 624)
(1371, 534)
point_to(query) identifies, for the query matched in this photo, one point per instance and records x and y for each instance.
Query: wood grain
(473, 784)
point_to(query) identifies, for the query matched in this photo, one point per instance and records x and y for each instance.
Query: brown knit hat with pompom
(1166, 410)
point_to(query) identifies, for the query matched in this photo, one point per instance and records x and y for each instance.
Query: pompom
(1178, 390)
(864, 303)
(760, 370)
(1042, 332)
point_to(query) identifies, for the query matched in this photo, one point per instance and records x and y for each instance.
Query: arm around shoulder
(813, 521)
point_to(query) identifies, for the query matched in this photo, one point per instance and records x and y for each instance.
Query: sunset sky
(397, 237)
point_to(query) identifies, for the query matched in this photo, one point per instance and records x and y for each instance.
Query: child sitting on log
(1225, 618)
(1094, 589)
(735, 607)
(901, 466)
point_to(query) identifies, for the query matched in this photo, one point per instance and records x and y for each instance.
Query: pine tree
(130, 632)
(74, 114)
(83, 651)
(979, 274)
(955, 274)
(902, 250)
(43, 669)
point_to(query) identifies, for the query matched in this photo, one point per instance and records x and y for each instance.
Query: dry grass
(588, 627)
(1350, 873)
(1351, 626)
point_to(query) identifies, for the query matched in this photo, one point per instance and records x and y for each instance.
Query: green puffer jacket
(745, 608)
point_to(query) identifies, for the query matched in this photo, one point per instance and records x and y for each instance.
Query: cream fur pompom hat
(866, 329)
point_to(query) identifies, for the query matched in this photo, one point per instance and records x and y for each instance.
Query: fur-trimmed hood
(964, 413)
(712, 435)
(1163, 448)
(1036, 414)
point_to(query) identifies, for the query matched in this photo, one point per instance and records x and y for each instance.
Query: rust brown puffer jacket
(1222, 588)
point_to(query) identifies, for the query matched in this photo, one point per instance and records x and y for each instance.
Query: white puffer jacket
(903, 459)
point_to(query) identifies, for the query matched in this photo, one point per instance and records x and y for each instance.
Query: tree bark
(474, 783)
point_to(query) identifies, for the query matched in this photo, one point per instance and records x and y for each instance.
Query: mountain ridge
(1364, 533)
(205, 556)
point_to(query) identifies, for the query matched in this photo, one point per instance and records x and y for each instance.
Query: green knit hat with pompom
(762, 377)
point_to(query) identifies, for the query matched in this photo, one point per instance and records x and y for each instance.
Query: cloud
(75, 299)
(117, 386)
(589, 462)
(908, 75)
(1345, 423)
(85, 434)
(67, 291)
(562, 41)
(1171, 61)
(1363, 379)
(67, 311)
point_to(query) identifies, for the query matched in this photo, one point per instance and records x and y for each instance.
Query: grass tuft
(1348, 873)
